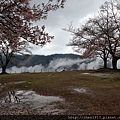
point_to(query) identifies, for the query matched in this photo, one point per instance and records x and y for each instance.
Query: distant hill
(54, 62)
(44, 60)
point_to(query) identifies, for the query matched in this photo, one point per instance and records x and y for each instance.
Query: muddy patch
(28, 102)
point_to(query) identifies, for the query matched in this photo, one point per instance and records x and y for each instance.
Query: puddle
(29, 98)
(96, 74)
(24, 102)
(81, 90)
(85, 73)
(10, 97)
(35, 99)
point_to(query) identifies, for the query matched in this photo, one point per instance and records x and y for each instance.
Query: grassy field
(102, 94)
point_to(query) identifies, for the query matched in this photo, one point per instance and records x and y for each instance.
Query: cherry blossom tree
(17, 28)
(108, 23)
(85, 41)
(100, 35)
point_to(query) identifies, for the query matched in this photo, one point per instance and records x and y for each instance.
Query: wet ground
(97, 74)
(81, 90)
(28, 102)
(25, 102)
(82, 93)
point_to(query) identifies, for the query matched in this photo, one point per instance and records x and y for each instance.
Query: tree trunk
(4, 67)
(4, 70)
(114, 62)
(5, 62)
(105, 62)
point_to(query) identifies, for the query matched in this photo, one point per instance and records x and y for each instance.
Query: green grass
(103, 98)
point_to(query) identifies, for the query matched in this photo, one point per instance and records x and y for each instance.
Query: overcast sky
(77, 11)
